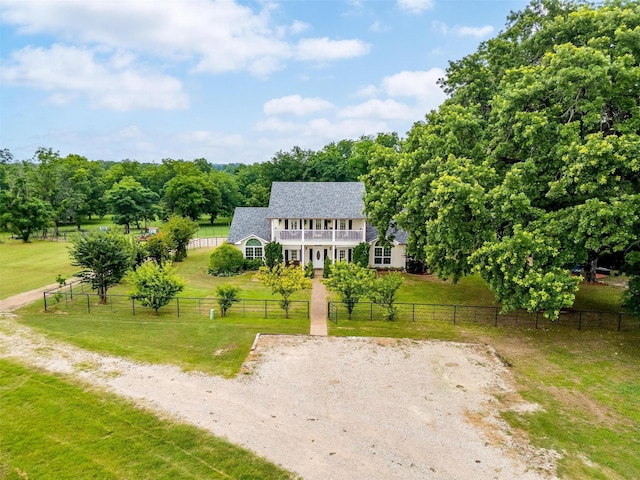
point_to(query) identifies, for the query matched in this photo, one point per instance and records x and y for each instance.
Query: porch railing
(322, 235)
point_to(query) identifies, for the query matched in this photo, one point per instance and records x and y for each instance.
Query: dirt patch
(326, 407)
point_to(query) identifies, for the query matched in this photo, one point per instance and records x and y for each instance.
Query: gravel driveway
(331, 408)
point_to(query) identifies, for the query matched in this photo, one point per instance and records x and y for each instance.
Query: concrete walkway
(318, 306)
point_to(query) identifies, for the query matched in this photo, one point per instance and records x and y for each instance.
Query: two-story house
(313, 221)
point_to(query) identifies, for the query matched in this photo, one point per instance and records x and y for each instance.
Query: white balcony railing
(320, 235)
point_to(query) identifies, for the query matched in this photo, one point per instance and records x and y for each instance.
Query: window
(318, 224)
(342, 254)
(382, 255)
(293, 224)
(343, 224)
(294, 255)
(253, 249)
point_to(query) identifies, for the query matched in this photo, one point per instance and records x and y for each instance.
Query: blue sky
(229, 81)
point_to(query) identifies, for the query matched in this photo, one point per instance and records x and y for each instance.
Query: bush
(327, 268)
(252, 264)
(227, 296)
(226, 261)
(273, 254)
(361, 255)
(308, 271)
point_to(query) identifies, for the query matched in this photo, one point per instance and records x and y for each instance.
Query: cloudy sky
(227, 80)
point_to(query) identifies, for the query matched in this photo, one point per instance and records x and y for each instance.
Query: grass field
(52, 428)
(25, 266)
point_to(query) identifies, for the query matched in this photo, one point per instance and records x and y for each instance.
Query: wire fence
(80, 299)
(472, 314)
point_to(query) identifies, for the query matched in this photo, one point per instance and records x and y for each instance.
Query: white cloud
(462, 31)
(367, 91)
(375, 108)
(296, 105)
(379, 27)
(70, 72)
(276, 125)
(418, 84)
(219, 36)
(415, 6)
(322, 49)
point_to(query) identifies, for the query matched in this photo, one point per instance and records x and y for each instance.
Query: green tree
(104, 257)
(361, 254)
(284, 281)
(130, 202)
(383, 292)
(273, 254)
(351, 282)
(533, 163)
(154, 285)
(192, 196)
(226, 260)
(22, 215)
(227, 295)
(158, 248)
(179, 231)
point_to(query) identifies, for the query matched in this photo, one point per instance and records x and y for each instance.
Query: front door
(318, 260)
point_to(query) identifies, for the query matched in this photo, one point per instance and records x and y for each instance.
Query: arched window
(381, 255)
(253, 249)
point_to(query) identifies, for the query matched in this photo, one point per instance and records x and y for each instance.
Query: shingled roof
(248, 221)
(316, 200)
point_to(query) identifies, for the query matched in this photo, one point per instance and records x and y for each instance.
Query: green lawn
(25, 266)
(51, 428)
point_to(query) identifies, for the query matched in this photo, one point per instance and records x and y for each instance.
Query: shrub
(225, 261)
(227, 296)
(327, 268)
(361, 254)
(273, 254)
(308, 271)
(252, 264)
(154, 285)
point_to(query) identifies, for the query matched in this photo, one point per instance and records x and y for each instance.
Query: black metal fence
(470, 314)
(79, 298)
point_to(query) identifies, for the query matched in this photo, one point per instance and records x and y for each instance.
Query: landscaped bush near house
(226, 261)
(252, 264)
(327, 268)
(361, 254)
(308, 270)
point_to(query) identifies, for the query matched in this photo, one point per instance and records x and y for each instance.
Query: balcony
(315, 236)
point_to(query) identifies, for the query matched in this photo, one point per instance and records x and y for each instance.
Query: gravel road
(331, 408)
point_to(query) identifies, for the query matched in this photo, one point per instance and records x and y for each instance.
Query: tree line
(50, 190)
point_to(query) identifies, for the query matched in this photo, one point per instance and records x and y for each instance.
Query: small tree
(383, 293)
(308, 271)
(326, 272)
(361, 254)
(23, 216)
(105, 258)
(284, 281)
(273, 254)
(351, 282)
(158, 248)
(227, 296)
(154, 285)
(179, 231)
(225, 261)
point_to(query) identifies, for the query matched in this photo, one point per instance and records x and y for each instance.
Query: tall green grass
(51, 428)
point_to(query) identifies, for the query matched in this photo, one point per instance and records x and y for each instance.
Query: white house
(313, 221)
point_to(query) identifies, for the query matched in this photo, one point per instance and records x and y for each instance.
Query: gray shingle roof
(249, 221)
(316, 200)
(400, 236)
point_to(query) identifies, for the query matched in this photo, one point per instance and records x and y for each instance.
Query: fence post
(619, 321)
(45, 300)
(371, 311)
(495, 323)
(133, 306)
(413, 312)
(580, 321)
(265, 309)
(308, 310)
(178, 305)
(328, 310)
(537, 313)
(71, 290)
(88, 303)
(455, 308)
